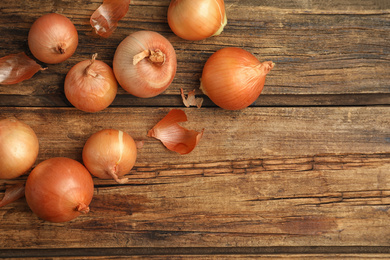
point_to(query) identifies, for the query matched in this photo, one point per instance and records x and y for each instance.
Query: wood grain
(318, 49)
(256, 182)
(303, 173)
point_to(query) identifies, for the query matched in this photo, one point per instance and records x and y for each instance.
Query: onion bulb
(110, 154)
(52, 38)
(196, 20)
(145, 64)
(59, 189)
(18, 148)
(233, 78)
(90, 85)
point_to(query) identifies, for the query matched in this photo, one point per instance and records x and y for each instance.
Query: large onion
(19, 148)
(59, 189)
(145, 64)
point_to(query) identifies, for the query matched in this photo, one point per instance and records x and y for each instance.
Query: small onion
(110, 154)
(59, 189)
(145, 64)
(90, 85)
(196, 20)
(18, 148)
(233, 78)
(52, 38)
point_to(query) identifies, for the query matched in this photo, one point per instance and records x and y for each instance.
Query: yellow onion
(59, 189)
(233, 78)
(19, 148)
(145, 64)
(52, 38)
(90, 85)
(110, 154)
(196, 20)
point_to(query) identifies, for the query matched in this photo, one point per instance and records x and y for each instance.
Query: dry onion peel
(105, 19)
(191, 100)
(12, 193)
(175, 137)
(16, 68)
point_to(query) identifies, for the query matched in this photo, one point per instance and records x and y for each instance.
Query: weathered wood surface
(303, 173)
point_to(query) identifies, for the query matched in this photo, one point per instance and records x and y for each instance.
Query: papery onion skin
(12, 193)
(233, 78)
(110, 154)
(52, 38)
(16, 68)
(196, 20)
(19, 147)
(145, 79)
(175, 137)
(105, 19)
(59, 189)
(90, 85)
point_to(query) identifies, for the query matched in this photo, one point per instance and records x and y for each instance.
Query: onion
(196, 20)
(145, 64)
(59, 189)
(90, 85)
(110, 154)
(52, 38)
(18, 148)
(233, 78)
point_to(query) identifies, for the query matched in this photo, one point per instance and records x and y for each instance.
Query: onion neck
(113, 174)
(82, 208)
(265, 67)
(156, 57)
(88, 70)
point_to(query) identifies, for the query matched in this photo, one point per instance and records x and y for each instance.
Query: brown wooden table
(303, 173)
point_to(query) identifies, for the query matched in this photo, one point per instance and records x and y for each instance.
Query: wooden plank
(275, 208)
(229, 135)
(319, 49)
(225, 256)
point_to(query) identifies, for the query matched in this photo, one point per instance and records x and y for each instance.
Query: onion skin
(19, 147)
(16, 68)
(90, 85)
(196, 20)
(110, 154)
(233, 78)
(145, 79)
(175, 137)
(52, 38)
(59, 189)
(105, 19)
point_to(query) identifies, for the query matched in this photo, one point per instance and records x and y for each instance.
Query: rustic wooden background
(302, 173)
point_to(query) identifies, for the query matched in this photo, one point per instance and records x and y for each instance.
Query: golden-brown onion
(19, 148)
(233, 78)
(196, 20)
